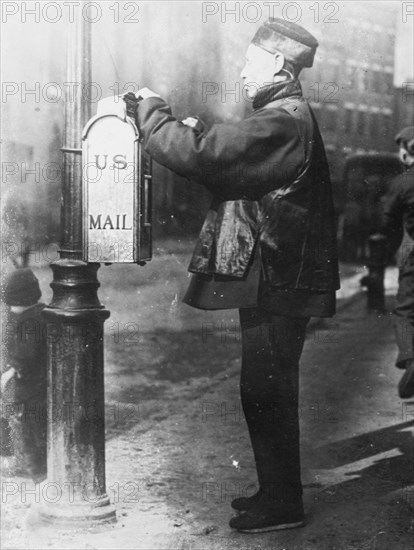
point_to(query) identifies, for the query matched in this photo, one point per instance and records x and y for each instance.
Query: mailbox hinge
(71, 150)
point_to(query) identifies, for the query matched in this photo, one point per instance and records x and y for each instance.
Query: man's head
(405, 141)
(22, 288)
(278, 50)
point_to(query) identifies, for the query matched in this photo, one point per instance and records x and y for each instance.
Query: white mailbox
(116, 176)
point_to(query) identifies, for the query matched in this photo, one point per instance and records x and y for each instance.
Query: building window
(369, 79)
(376, 81)
(335, 74)
(361, 122)
(348, 120)
(351, 75)
(330, 119)
(365, 79)
(374, 126)
(386, 121)
(388, 83)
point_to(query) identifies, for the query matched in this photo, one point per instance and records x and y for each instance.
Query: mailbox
(116, 179)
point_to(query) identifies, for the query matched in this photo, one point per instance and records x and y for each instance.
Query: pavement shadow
(377, 463)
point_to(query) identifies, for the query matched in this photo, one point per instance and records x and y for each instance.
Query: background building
(192, 56)
(351, 86)
(404, 105)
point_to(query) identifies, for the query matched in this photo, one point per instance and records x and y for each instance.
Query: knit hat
(296, 43)
(22, 288)
(406, 139)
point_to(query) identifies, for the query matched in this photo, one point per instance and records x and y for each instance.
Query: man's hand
(145, 93)
(132, 100)
(131, 104)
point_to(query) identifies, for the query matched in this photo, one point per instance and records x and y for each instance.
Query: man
(399, 218)
(267, 247)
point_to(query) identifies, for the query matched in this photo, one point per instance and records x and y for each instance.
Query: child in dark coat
(24, 376)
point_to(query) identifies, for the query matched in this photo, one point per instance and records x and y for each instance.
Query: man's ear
(279, 61)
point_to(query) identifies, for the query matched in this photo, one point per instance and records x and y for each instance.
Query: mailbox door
(144, 251)
(117, 192)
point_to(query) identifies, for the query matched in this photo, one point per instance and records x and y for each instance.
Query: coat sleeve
(264, 150)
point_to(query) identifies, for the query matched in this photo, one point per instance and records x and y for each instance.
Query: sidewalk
(178, 449)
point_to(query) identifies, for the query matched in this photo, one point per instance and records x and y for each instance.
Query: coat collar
(278, 90)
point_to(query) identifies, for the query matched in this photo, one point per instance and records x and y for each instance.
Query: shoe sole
(278, 527)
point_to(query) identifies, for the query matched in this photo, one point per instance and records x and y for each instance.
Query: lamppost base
(74, 493)
(78, 515)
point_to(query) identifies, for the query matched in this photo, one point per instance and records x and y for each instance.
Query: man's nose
(243, 73)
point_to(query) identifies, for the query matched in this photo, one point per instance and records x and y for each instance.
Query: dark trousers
(271, 349)
(403, 318)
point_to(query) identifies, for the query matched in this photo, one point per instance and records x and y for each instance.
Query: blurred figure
(366, 180)
(398, 227)
(24, 379)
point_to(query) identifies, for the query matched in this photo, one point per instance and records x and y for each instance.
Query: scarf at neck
(277, 90)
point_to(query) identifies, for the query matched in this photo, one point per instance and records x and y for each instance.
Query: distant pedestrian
(398, 227)
(24, 376)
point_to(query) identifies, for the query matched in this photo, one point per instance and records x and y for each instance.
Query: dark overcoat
(398, 226)
(270, 183)
(26, 353)
(399, 209)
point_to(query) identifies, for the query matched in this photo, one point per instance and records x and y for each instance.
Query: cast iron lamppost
(75, 488)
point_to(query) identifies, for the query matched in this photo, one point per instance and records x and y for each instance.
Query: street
(177, 445)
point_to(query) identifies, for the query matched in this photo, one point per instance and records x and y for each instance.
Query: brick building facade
(351, 85)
